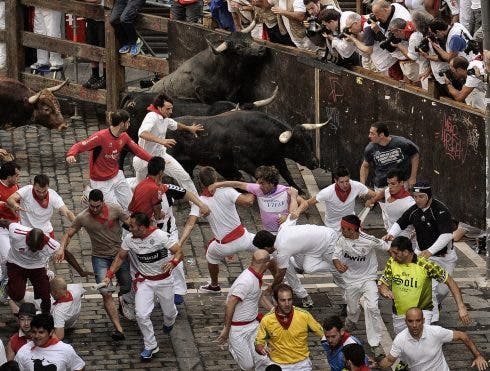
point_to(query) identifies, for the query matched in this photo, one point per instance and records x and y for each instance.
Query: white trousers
(368, 290)
(144, 304)
(48, 22)
(172, 168)
(399, 323)
(218, 252)
(304, 365)
(115, 190)
(180, 284)
(3, 50)
(465, 14)
(312, 264)
(441, 290)
(241, 342)
(4, 250)
(292, 279)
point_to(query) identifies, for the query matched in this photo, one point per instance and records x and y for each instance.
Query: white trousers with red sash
(218, 252)
(241, 342)
(144, 304)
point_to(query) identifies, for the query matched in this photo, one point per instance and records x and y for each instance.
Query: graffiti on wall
(458, 136)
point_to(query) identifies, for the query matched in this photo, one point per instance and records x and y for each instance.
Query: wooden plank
(2, 36)
(80, 8)
(152, 22)
(115, 72)
(147, 63)
(14, 24)
(67, 47)
(75, 91)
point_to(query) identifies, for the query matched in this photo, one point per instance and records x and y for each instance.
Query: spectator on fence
(96, 36)
(186, 10)
(270, 27)
(221, 14)
(243, 15)
(47, 22)
(123, 16)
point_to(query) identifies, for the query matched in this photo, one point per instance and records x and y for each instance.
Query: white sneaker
(307, 302)
(127, 309)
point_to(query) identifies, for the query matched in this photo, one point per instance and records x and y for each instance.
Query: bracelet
(109, 274)
(174, 262)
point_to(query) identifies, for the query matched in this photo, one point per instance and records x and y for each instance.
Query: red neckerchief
(343, 338)
(256, 274)
(152, 108)
(342, 195)
(205, 192)
(43, 243)
(104, 219)
(52, 341)
(285, 321)
(43, 202)
(409, 29)
(364, 368)
(402, 193)
(65, 298)
(150, 231)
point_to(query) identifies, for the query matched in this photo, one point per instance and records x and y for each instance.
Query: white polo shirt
(21, 255)
(65, 314)
(424, 354)
(224, 216)
(36, 215)
(155, 124)
(247, 288)
(337, 209)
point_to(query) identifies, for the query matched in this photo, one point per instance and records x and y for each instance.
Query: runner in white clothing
(339, 198)
(355, 258)
(152, 138)
(230, 236)
(242, 316)
(67, 305)
(36, 204)
(150, 254)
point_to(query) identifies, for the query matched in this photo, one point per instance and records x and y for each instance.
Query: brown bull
(18, 106)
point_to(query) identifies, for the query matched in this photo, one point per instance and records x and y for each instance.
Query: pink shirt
(271, 205)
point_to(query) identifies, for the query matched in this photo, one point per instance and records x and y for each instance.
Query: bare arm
(279, 277)
(67, 213)
(387, 361)
(458, 298)
(193, 129)
(364, 172)
(228, 183)
(303, 205)
(479, 362)
(415, 159)
(443, 55)
(146, 135)
(9, 352)
(203, 208)
(65, 240)
(14, 202)
(246, 200)
(457, 95)
(74, 263)
(189, 225)
(229, 311)
(297, 16)
(59, 332)
(116, 264)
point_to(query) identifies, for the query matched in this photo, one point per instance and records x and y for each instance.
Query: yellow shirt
(289, 345)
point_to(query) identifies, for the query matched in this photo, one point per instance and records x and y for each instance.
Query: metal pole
(485, 13)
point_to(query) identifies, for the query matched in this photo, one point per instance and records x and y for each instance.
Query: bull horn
(315, 126)
(221, 47)
(250, 27)
(33, 99)
(58, 87)
(237, 107)
(285, 136)
(265, 102)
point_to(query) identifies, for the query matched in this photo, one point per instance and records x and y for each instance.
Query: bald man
(242, 313)
(30, 250)
(66, 308)
(420, 345)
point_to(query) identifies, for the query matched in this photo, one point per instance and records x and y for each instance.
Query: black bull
(242, 140)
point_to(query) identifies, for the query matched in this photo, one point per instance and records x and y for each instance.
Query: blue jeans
(102, 264)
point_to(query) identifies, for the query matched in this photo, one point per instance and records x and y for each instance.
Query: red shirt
(146, 195)
(17, 341)
(105, 151)
(5, 211)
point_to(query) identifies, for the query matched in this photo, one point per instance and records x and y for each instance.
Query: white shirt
(156, 125)
(337, 209)
(21, 255)
(148, 254)
(66, 314)
(359, 256)
(305, 239)
(3, 356)
(60, 355)
(247, 288)
(424, 354)
(414, 4)
(344, 48)
(395, 209)
(36, 215)
(474, 82)
(224, 216)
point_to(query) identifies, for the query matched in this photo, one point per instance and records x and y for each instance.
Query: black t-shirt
(428, 224)
(395, 155)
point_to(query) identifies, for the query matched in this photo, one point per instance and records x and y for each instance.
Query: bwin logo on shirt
(355, 258)
(408, 282)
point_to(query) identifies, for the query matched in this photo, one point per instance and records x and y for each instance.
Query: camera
(472, 72)
(424, 45)
(371, 18)
(314, 27)
(344, 32)
(472, 46)
(387, 43)
(449, 75)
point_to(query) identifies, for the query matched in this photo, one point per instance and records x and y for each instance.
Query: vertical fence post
(14, 25)
(115, 72)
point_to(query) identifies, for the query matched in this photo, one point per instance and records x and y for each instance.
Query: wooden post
(317, 113)
(115, 72)
(14, 25)
(359, 6)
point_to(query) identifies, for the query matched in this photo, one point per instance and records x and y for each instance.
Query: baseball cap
(27, 308)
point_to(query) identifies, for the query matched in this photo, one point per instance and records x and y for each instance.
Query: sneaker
(54, 68)
(349, 325)
(147, 354)
(378, 351)
(208, 289)
(127, 309)
(139, 42)
(39, 66)
(118, 336)
(99, 84)
(306, 302)
(124, 49)
(167, 329)
(178, 299)
(90, 82)
(135, 49)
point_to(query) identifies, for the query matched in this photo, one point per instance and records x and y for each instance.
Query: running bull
(18, 106)
(217, 72)
(243, 140)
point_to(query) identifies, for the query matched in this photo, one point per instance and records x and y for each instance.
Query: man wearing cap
(26, 313)
(432, 222)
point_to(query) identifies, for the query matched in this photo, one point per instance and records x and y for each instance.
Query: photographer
(458, 41)
(268, 19)
(313, 7)
(472, 74)
(400, 32)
